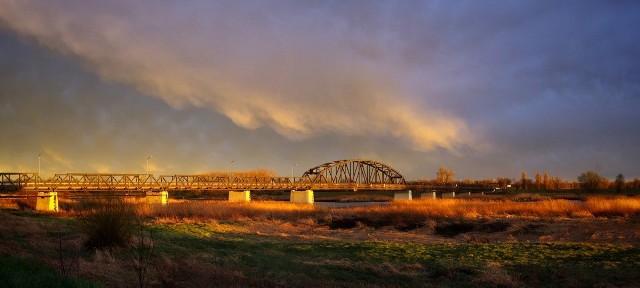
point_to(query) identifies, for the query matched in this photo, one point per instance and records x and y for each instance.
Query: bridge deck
(147, 182)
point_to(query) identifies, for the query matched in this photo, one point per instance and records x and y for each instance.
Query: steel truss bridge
(354, 174)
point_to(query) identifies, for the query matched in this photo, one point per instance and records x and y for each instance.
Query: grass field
(426, 243)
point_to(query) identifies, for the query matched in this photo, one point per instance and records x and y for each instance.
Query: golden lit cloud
(300, 88)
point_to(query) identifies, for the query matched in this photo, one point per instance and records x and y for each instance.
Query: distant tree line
(589, 181)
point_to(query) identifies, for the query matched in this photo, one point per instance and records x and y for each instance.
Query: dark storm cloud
(486, 87)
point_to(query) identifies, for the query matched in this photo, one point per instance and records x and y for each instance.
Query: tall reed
(395, 212)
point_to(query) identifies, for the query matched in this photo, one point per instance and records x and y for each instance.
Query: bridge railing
(94, 181)
(16, 181)
(177, 182)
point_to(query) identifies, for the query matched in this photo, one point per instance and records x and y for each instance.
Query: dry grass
(472, 208)
(220, 210)
(283, 230)
(617, 206)
(399, 214)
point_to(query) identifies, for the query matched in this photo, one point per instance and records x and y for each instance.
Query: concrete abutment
(47, 201)
(301, 196)
(160, 197)
(240, 196)
(402, 195)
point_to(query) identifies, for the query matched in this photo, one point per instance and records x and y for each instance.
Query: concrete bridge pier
(240, 196)
(301, 196)
(47, 201)
(433, 195)
(161, 197)
(451, 194)
(402, 195)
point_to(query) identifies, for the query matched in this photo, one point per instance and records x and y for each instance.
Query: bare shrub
(109, 225)
(141, 255)
(24, 205)
(68, 254)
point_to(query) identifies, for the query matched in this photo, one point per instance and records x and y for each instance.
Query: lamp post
(38, 177)
(230, 172)
(292, 177)
(149, 157)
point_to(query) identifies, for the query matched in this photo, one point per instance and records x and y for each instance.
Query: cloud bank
(488, 88)
(302, 72)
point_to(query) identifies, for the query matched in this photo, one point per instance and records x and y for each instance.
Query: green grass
(15, 272)
(403, 264)
(239, 259)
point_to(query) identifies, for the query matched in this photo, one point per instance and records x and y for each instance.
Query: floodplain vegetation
(126, 242)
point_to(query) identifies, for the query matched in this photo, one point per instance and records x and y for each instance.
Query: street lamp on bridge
(39, 156)
(292, 177)
(231, 173)
(149, 157)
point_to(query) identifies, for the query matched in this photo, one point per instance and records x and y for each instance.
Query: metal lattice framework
(353, 171)
(94, 181)
(208, 182)
(15, 181)
(337, 175)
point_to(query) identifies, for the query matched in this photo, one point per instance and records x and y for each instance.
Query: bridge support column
(402, 195)
(301, 196)
(47, 201)
(425, 195)
(240, 196)
(451, 194)
(161, 197)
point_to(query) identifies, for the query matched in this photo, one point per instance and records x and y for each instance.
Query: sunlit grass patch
(221, 210)
(404, 215)
(613, 206)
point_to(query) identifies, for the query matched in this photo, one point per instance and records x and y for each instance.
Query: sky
(487, 88)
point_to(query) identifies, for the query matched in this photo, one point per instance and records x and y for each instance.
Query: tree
(503, 182)
(524, 179)
(545, 180)
(445, 175)
(556, 183)
(619, 183)
(538, 181)
(590, 180)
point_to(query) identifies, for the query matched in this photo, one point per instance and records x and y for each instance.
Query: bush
(108, 226)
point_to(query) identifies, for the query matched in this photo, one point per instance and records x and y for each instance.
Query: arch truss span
(354, 171)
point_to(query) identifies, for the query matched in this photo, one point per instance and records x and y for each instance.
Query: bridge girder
(353, 171)
(337, 175)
